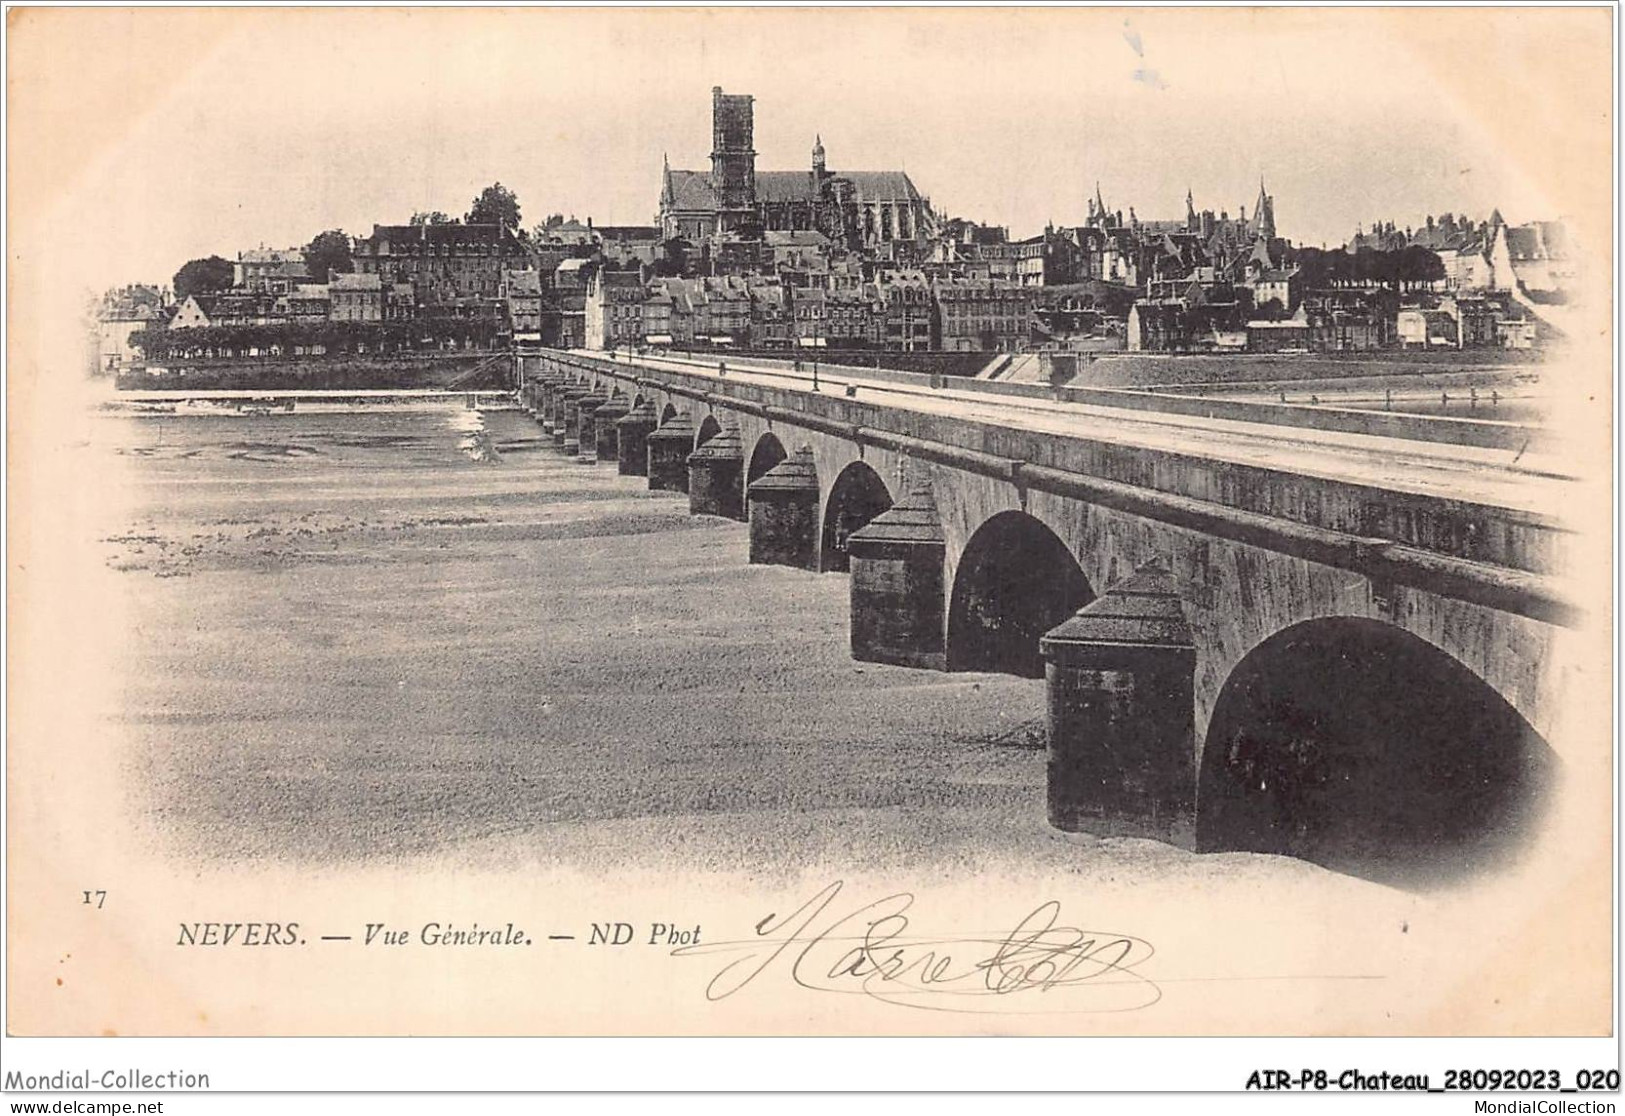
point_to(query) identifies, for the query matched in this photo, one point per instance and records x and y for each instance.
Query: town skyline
(579, 120)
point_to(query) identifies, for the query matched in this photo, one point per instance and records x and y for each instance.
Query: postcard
(810, 522)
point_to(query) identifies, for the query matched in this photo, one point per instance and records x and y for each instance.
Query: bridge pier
(586, 427)
(547, 389)
(632, 440)
(897, 585)
(714, 476)
(1121, 692)
(784, 514)
(552, 386)
(669, 447)
(605, 433)
(566, 428)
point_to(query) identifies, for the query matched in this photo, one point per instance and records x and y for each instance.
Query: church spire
(1264, 211)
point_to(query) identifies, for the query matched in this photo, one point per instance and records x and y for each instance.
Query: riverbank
(474, 370)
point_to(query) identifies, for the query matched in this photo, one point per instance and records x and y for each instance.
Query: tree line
(1410, 266)
(287, 338)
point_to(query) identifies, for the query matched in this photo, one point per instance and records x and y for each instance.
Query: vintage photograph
(810, 522)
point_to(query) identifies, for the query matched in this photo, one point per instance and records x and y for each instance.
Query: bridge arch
(857, 496)
(667, 413)
(1016, 580)
(767, 452)
(1357, 745)
(709, 428)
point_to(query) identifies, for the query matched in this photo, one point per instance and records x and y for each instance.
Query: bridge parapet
(1496, 554)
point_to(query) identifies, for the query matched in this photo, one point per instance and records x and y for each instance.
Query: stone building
(356, 297)
(114, 325)
(848, 318)
(981, 315)
(522, 292)
(770, 314)
(629, 246)
(307, 302)
(270, 270)
(904, 311)
(447, 263)
(614, 310)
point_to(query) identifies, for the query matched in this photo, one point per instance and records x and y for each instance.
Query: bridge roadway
(1531, 482)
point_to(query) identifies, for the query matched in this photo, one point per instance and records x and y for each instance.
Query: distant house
(1421, 328)
(572, 276)
(564, 233)
(113, 329)
(223, 308)
(448, 264)
(270, 270)
(1337, 331)
(1275, 284)
(1292, 335)
(628, 247)
(1534, 258)
(400, 302)
(809, 317)
(727, 312)
(848, 318)
(771, 326)
(356, 297)
(1517, 332)
(798, 250)
(904, 311)
(614, 310)
(522, 295)
(1540, 260)
(573, 321)
(194, 313)
(976, 315)
(657, 316)
(307, 302)
(1157, 325)
(1475, 320)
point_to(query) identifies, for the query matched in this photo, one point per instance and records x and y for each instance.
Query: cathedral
(866, 210)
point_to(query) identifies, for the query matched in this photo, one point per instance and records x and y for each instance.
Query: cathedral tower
(733, 157)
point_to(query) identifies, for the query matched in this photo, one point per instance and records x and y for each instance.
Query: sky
(149, 137)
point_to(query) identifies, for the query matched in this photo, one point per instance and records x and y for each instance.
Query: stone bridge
(1326, 644)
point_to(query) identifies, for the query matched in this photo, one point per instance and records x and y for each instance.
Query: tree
(211, 273)
(434, 217)
(673, 258)
(496, 205)
(1419, 265)
(327, 253)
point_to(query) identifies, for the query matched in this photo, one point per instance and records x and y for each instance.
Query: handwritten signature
(1040, 966)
